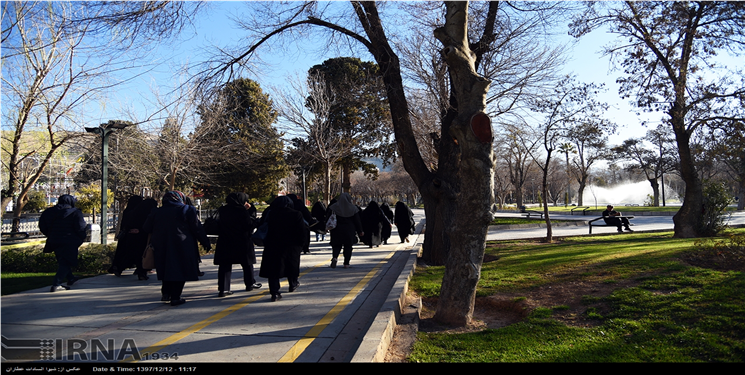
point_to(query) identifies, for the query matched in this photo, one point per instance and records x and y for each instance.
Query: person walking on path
(285, 238)
(387, 227)
(124, 256)
(136, 237)
(373, 220)
(404, 220)
(318, 211)
(175, 231)
(299, 206)
(236, 221)
(64, 227)
(348, 225)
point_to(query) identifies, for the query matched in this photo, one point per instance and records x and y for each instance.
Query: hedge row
(92, 258)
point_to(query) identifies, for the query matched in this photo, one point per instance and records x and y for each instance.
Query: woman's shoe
(333, 263)
(178, 302)
(294, 287)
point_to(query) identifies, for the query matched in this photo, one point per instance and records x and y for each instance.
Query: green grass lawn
(19, 282)
(666, 310)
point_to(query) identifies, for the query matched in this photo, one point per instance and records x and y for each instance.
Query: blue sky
(215, 28)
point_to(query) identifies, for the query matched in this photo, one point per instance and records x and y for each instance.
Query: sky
(215, 28)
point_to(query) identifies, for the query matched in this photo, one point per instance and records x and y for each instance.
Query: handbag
(148, 256)
(331, 224)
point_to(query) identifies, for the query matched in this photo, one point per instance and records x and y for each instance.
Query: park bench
(14, 236)
(529, 213)
(584, 210)
(589, 223)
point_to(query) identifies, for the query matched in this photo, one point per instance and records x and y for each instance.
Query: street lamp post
(105, 131)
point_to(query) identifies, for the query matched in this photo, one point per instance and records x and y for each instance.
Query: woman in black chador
(124, 256)
(318, 211)
(282, 246)
(348, 225)
(386, 234)
(175, 230)
(136, 237)
(237, 221)
(373, 221)
(299, 205)
(404, 220)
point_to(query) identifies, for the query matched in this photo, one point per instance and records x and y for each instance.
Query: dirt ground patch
(502, 310)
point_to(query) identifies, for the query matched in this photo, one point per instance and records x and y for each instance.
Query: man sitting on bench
(611, 218)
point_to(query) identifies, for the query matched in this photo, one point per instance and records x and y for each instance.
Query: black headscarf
(66, 204)
(236, 199)
(281, 202)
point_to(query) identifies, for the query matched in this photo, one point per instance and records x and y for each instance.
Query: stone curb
(375, 344)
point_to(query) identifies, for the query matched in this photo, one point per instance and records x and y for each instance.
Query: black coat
(136, 239)
(404, 220)
(124, 256)
(386, 234)
(234, 244)
(318, 211)
(175, 230)
(346, 230)
(284, 241)
(373, 221)
(64, 227)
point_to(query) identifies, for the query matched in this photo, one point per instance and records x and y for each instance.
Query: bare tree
(459, 194)
(653, 163)
(568, 104)
(514, 148)
(43, 85)
(54, 64)
(667, 51)
(589, 140)
(307, 104)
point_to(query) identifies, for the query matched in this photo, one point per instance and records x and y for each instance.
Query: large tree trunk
(655, 192)
(326, 183)
(688, 219)
(461, 202)
(475, 176)
(436, 237)
(741, 193)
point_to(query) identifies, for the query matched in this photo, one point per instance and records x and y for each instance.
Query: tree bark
(472, 211)
(655, 191)
(688, 219)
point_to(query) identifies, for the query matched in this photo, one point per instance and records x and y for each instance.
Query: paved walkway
(325, 320)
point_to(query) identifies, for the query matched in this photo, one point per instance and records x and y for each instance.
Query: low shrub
(92, 258)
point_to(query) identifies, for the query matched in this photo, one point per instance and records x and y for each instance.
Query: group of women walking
(352, 224)
(174, 231)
